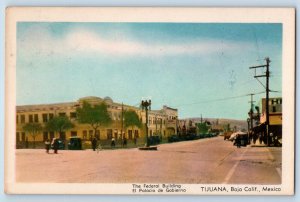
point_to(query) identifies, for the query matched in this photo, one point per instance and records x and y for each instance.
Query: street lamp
(146, 105)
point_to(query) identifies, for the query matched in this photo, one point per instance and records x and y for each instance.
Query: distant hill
(239, 124)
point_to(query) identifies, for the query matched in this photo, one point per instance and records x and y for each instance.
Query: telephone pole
(251, 111)
(155, 124)
(122, 120)
(267, 75)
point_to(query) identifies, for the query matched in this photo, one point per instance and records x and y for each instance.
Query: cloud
(80, 41)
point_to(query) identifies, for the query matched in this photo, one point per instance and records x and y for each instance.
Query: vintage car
(241, 138)
(173, 138)
(75, 143)
(61, 145)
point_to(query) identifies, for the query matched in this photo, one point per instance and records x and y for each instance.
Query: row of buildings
(161, 122)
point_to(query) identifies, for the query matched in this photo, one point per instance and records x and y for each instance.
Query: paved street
(201, 161)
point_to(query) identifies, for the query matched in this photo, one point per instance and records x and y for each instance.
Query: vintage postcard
(163, 101)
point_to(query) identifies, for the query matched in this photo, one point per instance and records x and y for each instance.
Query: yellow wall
(114, 109)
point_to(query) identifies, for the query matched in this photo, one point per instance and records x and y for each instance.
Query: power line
(260, 83)
(217, 100)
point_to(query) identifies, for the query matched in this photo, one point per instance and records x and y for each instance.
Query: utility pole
(267, 75)
(122, 120)
(155, 124)
(160, 130)
(251, 111)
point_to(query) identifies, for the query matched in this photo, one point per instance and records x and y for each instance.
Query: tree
(59, 124)
(95, 116)
(33, 129)
(131, 119)
(203, 128)
(226, 127)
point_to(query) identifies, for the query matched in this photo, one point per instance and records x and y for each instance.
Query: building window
(97, 135)
(18, 137)
(36, 118)
(150, 132)
(45, 136)
(130, 134)
(30, 118)
(17, 119)
(45, 118)
(62, 114)
(22, 118)
(90, 134)
(51, 116)
(84, 135)
(109, 133)
(116, 134)
(73, 133)
(23, 136)
(51, 135)
(136, 134)
(62, 136)
(73, 115)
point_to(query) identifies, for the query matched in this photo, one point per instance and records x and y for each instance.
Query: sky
(198, 68)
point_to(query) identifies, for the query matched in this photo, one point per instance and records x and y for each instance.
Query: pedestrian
(250, 137)
(238, 141)
(134, 140)
(47, 146)
(260, 139)
(271, 139)
(113, 144)
(55, 145)
(254, 138)
(124, 142)
(94, 144)
(26, 143)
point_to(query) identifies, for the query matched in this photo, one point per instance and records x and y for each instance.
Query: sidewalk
(258, 163)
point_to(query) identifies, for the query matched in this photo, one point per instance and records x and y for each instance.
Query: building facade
(159, 121)
(275, 121)
(275, 111)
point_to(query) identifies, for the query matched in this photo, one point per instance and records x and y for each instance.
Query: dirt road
(201, 161)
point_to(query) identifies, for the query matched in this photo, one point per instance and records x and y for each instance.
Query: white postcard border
(286, 16)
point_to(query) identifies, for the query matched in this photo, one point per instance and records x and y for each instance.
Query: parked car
(233, 135)
(75, 143)
(153, 140)
(173, 138)
(61, 145)
(189, 137)
(243, 138)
